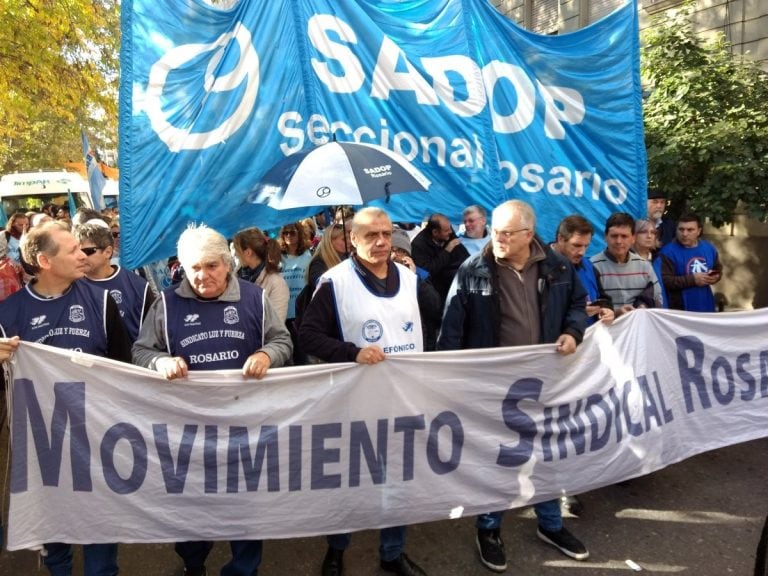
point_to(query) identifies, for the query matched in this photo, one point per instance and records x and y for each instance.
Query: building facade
(743, 22)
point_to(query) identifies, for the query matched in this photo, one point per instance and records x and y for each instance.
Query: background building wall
(744, 22)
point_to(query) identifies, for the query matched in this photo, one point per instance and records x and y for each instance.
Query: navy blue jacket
(472, 317)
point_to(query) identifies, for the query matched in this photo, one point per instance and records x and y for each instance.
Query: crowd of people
(309, 295)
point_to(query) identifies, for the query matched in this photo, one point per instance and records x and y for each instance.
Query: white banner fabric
(106, 452)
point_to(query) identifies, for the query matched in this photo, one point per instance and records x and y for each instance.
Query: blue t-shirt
(73, 321)
(215, 334)
(699, 258)
(129, 291)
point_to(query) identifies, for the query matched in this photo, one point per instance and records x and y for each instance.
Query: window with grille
(545, 16)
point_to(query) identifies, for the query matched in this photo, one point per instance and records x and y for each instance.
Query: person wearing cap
(38, 219)
(401, 253)
(665, 228)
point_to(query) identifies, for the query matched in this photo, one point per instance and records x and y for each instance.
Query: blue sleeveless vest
(214, 334)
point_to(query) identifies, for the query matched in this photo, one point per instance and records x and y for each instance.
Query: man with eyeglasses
(476, 234)
(657, 205)
(59, 309)
(516, 292)
(359, 310)
(130, 291)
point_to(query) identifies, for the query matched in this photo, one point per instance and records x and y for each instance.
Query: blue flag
(488, 111)
(96, 180)
(71, 204)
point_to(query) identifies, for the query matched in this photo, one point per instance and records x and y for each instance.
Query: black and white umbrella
(338, 173)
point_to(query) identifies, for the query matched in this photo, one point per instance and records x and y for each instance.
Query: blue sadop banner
(213, 95)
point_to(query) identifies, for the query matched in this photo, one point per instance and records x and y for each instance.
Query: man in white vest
(363, 310)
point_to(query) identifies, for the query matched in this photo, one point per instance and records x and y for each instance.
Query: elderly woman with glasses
(294, 245)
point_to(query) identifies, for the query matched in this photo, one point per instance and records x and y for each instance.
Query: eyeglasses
(289, 232)
(115, 234)
(507, 234)
(91, 250)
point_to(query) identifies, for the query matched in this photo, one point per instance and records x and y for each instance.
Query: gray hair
(519, 208)
(99, 235)
(39, 240)
(474, 208)
(199, 242)
(366, 215)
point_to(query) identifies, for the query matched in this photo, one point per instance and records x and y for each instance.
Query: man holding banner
(363, 309)
(59, 309)
(212, 321)
(516, 292)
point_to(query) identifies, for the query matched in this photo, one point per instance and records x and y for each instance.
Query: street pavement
(700, 517)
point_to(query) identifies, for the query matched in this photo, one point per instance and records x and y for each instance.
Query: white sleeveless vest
(390, 322)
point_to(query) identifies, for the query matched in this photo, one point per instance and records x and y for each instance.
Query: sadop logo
(379, 171)
(243, 77)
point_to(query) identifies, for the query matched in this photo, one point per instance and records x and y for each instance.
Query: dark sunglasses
(289, 232)
(90, 251)
(115, 234)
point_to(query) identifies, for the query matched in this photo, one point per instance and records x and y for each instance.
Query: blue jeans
(98, 559)
(246, 556)
(548, 514)
(391, 542)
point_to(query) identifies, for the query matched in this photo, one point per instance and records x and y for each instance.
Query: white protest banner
(104, 452)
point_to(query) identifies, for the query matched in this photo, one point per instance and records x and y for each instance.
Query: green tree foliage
(58, 71)
(706, 122)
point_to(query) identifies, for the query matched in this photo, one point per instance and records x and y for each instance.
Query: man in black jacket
(437, 250)
(516, 292)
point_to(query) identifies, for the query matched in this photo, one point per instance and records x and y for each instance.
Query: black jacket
(472, 316)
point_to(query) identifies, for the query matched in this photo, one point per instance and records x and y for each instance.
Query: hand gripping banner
(326, 449)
